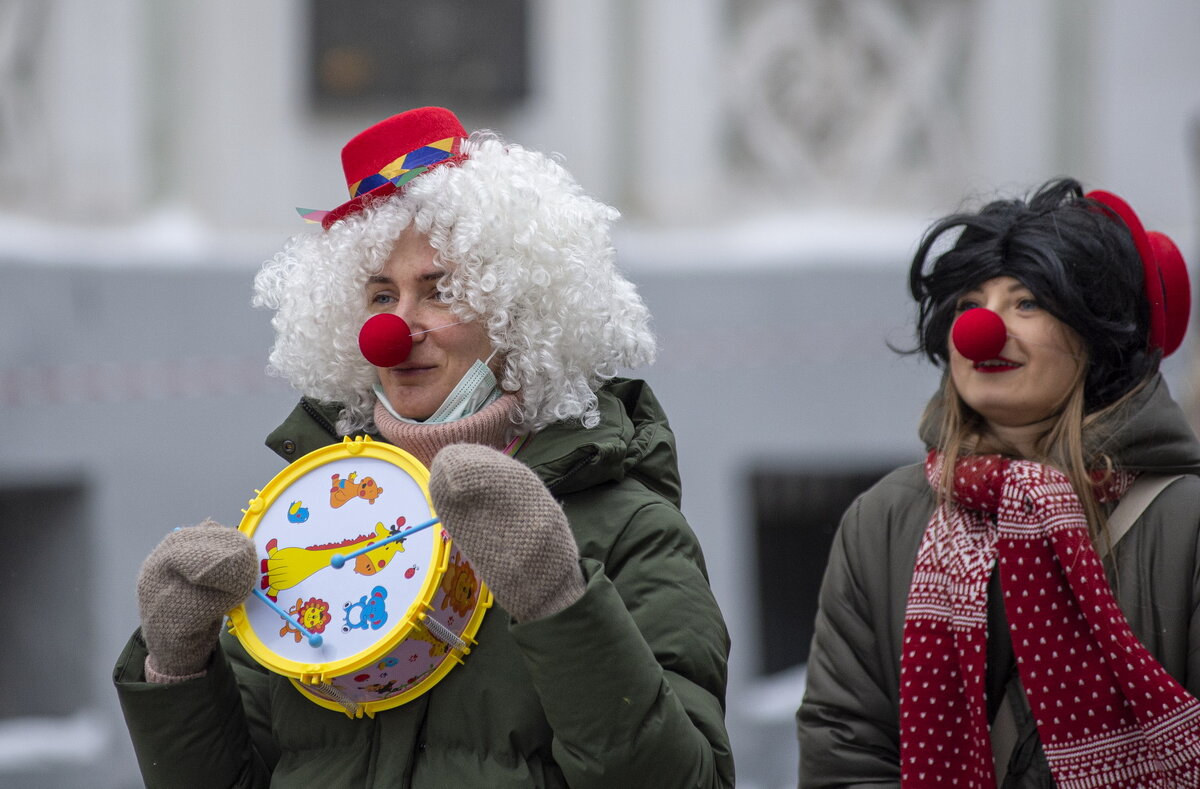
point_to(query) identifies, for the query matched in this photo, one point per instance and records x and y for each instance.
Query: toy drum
(363, 601)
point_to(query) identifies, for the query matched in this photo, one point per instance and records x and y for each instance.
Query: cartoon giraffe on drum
(285, 567)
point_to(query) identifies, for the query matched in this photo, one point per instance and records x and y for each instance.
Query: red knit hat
(1165, 273)
(383, 158)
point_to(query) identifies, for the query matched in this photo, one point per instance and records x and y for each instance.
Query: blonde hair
(526, 252)
(1073, 443)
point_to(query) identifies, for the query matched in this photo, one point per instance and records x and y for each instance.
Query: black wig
(1076, 258)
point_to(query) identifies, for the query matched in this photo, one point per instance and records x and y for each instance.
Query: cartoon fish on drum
(285, 567)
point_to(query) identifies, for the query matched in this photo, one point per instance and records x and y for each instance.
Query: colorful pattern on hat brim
(313, 216)
(408, 166)
(1168, 290)
(392, 178)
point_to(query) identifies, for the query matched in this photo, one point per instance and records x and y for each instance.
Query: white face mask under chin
(474, 391)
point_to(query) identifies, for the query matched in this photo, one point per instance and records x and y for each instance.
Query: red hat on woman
(383, 158)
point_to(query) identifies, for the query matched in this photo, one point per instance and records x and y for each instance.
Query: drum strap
(1132, 505)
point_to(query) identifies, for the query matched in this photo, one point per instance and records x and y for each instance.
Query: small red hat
(383, 158)
(1165, 275)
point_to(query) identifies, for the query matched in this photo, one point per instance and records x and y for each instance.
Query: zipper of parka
(318, 417)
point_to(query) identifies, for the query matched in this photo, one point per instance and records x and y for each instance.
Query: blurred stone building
(775, 162)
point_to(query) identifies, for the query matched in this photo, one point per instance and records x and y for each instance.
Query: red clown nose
(979, 334)
(385, 340)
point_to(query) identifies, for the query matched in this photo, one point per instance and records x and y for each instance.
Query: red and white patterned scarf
(1107, 712)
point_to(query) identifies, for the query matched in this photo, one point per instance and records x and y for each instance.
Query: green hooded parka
(625, 688)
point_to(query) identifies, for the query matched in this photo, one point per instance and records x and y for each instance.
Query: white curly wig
(525, 251)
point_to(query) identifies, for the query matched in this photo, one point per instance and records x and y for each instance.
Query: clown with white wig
(464, 306)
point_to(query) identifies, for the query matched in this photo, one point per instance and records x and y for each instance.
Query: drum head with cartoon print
(356, 575)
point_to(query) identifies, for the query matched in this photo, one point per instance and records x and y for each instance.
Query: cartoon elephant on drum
(371, 612)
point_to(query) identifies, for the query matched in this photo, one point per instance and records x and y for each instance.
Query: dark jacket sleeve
(848, 724)
(188, 734)
(632, 676)
(1155, 574)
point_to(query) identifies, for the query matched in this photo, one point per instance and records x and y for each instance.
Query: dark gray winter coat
(849, 720)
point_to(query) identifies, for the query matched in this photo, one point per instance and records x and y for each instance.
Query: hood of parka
(1148, 433)
(633, 439)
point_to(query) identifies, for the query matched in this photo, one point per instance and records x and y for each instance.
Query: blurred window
(46, 586)
(796, 513)
(387, 53)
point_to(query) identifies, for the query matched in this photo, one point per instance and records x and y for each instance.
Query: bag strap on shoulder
(1135, 501)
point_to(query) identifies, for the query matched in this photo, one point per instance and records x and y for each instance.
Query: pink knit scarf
(492, 426)
(1107, 712)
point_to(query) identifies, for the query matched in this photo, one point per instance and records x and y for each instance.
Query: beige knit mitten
(185, 587)
(510, 527)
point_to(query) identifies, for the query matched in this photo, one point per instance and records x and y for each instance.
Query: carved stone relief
(832, 100)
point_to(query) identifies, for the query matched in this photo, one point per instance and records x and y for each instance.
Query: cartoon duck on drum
(285, 567)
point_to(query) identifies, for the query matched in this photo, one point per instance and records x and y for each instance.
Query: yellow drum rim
(452, 659)
(360, 447)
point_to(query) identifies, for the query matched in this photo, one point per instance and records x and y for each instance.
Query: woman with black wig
(979, 623)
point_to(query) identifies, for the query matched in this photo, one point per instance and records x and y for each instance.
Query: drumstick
(314, 639)
(338, 560)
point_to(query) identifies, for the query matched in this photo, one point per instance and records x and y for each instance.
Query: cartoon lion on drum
(460, 585)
